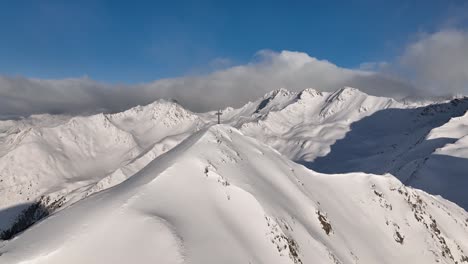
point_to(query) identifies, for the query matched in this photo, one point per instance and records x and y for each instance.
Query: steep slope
(222, 197)
(400, 142)
(253, 111)
(50, 162)
(445, 170)
(57, 161)
(153, 123)
(305, 127)
(66, 156)
(349, 131)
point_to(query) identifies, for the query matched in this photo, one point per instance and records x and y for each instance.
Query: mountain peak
(277, 92)
(345, 93)
(275, 100)
(309, 93)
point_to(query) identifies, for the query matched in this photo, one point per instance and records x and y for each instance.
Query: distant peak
(277, 92)
(348, 89)
(276, 99)
(158, 105)
(344, 93)
(309, 93)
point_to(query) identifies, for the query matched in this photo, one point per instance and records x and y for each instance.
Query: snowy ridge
(400, 142)
(49, 157)
(222, 197)
(444, 170)
(307, 127)
(229, 185)
(73, 157)
(150, 123)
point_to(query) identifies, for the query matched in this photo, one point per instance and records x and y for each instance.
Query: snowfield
(309, 177)
(222, 197)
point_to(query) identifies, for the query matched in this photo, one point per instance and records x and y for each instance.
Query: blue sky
(140, 41)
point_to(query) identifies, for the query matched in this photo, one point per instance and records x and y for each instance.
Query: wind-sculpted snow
(305, 128)
(226, 195)
(74, 157)
(410, 144)
(52, 157)
(444, 171)
(349, 131)
(222, 197)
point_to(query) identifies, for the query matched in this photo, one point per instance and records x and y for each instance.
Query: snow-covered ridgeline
(222, 197)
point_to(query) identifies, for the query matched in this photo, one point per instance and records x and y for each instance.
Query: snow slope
(445, 170)
(401, 142)
(349, 131)
(65, 159)
(222, 197)
(48, 163)
(304, 125)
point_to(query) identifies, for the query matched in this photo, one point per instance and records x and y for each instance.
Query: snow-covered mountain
(304, 125)
(349, 131)
(50, 164)
(222, 197)
(444, 171)
(400, 142)
(66, 159)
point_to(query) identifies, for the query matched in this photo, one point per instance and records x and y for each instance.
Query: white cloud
(374, 66)
(434, 61)
(438, 63)
(233, 86)
(271, 70)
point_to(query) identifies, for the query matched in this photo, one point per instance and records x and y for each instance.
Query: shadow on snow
(394, 141)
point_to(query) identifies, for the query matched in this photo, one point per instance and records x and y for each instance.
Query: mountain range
(340, 177)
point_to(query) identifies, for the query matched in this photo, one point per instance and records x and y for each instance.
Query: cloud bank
(434, 64)
(438, 63)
